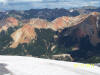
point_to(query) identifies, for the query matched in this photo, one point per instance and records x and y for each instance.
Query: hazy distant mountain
(48, 14)
(41, 4)
(88, 9)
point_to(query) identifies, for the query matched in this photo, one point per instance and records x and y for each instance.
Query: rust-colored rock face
(38, 23)
(27, 32)
(65, 22)
(60, 22)
(23, 35)
(95, 27)
(11, 21)
(89, 27)
(95, 13)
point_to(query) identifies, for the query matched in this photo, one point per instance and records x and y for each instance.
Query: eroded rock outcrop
(23, 35)
(65, 57)
(8, 22)
(86, 25)
(65, 22)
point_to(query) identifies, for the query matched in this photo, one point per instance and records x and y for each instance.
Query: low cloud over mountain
(21, 4)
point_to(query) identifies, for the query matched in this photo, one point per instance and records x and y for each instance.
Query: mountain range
(61, 34)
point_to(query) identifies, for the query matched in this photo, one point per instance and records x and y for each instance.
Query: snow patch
(19, 65)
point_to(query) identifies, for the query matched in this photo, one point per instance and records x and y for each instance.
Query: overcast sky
(28, 4)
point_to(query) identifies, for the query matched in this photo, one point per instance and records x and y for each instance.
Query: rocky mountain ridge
(27, 32)
(43, 38)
